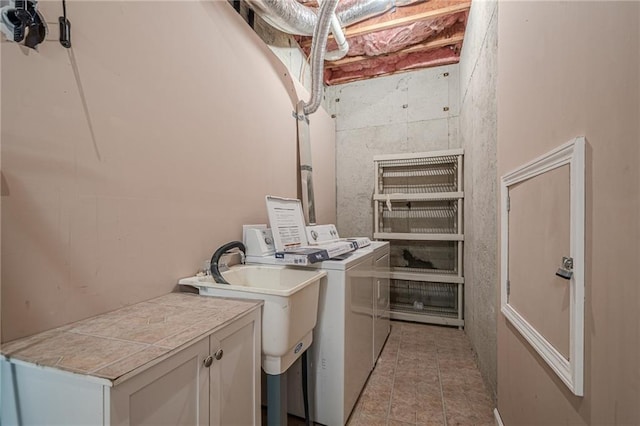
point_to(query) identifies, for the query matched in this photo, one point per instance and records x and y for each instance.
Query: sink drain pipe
(277, 396)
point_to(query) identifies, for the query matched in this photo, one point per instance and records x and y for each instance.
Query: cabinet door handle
(219, 354)
(208, 361)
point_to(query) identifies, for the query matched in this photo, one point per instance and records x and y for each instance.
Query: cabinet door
(381, 324)
(173, 392)
(235, 376)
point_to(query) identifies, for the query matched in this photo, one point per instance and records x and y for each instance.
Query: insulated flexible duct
(292, 17)
(288, 16)
(318, 45)
(355, 11)
(351, 12)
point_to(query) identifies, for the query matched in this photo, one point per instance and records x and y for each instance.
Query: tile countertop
(132, 338)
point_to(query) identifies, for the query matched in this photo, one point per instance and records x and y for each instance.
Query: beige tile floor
(426, 375)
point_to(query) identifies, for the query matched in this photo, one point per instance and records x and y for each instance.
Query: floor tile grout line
(393, 381)
(444, 408)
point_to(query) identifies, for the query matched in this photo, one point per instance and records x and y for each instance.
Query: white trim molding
(570, 371)
(496, 415)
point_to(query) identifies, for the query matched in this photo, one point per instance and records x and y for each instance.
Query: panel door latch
(566, 270)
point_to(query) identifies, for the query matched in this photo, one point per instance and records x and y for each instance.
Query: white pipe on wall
(343, 45)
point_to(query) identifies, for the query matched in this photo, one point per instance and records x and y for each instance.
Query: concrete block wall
(478, 137)
(411, 112)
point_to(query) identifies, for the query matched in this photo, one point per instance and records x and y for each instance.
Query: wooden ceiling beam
(411, 62)
(405, 16)
(456, 38)
(350, 79)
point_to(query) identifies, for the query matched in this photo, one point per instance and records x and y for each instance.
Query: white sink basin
(290, 308)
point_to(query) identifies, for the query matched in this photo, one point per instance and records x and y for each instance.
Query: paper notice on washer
(287, 222)
(288, 227)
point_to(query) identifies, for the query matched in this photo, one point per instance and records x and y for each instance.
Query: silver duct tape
(288, 16)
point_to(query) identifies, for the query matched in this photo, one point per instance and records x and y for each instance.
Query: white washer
(351, 330)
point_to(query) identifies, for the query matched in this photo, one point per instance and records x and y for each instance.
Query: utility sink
(290, 308)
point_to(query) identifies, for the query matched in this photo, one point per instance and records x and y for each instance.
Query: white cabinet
(174, 392)
(418, 208)
(235, 378)
(214, 381)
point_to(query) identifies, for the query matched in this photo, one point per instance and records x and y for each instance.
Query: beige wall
(567, 69)
(537, 244)
(185, 126)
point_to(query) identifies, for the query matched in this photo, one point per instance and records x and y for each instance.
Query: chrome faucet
(221, 251)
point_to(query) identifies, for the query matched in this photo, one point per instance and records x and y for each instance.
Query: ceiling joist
(428, 45)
